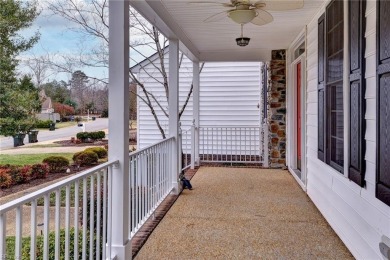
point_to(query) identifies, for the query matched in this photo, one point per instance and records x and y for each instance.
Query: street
(63, 133)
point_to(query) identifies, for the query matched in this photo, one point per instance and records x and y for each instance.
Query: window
(330, 86)
(383, 102)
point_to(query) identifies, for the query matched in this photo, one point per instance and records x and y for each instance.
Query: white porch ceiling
(216, 41)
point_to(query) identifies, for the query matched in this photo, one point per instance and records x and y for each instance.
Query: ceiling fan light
(243, 41)
(242, 16)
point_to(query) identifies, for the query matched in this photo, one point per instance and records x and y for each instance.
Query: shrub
(25, 173)
(97, 135)
(13, 171)
(100, 151)
(56, 163)
(74, 157)
(39, 171)
(82, 136)
(96, 190)
(40, 246)
(85, 158)
(43, 123)
(5, 178)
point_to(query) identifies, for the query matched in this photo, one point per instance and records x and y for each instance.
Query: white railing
(186, 143)
(67, 219)
(150, 181)
(230, 144)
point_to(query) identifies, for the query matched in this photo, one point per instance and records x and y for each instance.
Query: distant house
(47, 109)
(47, 105)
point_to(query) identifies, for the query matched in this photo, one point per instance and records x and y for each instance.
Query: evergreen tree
(19, 99)
(14, 16)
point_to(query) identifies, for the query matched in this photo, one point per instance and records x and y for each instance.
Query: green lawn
(22, 159)
(65, 124)
(60, 125)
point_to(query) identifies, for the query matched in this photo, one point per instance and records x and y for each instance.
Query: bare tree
(40, 67)
(90, 18)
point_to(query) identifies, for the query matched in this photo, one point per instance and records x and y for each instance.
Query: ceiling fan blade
(210, 3)
(280, 5)
(262, 18)
(216, 17)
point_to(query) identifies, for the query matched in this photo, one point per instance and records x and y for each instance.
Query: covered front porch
(231, 213)
(243, 213)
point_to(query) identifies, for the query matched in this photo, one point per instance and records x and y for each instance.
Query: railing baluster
(67, 220)
(109, 218)
(76, 219)
(98, 213)
(3, 233)
(46, 222)
(84, 246)
(91, 216)
(104, 238)
(57, 224)
(33, 235)
(18, 232)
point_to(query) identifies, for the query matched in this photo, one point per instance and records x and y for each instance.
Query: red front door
(299, 121)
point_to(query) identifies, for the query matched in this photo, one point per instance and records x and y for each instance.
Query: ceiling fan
(245, 11)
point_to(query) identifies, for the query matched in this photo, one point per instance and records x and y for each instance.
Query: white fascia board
(136, 68)
(156, 14)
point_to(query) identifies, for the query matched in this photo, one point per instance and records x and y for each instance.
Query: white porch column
(119, 126)
(174, 109)
(195, 111)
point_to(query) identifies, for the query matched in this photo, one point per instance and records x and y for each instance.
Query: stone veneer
(277, 109)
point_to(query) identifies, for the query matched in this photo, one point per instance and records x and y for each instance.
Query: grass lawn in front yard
(65, 124)
(60, 125)
(23, 159)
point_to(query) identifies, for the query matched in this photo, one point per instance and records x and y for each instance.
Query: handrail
(228, 126)
(152, 145)
(187, 130)
(51, 188)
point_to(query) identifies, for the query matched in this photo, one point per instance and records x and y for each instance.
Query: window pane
(336, 123)
(337, 155)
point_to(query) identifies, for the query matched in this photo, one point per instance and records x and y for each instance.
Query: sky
(57, 38)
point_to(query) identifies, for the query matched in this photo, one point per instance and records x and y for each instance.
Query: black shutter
(356, 167)
(321, 88)
(383, 101)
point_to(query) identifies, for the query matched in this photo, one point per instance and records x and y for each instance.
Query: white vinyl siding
(229, 96)
(353, 212)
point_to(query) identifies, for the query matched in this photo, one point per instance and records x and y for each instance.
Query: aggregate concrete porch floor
(242, 213)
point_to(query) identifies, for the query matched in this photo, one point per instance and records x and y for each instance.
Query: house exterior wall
(360, 220)
(229, 96)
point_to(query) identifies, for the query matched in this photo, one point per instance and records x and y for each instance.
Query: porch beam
(119, 126)
(174, 109)
(195, 111)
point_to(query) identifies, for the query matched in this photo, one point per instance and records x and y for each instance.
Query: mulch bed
(36, 182)
(97, 143)
(33, 183)
(70, 143)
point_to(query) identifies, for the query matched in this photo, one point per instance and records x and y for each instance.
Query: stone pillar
(277, 109)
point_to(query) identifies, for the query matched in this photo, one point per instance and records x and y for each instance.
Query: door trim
(291, 116)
